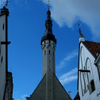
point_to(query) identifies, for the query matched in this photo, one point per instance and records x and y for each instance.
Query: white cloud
(69, 76)
(24, 97)
(68, 12)
(66, 59)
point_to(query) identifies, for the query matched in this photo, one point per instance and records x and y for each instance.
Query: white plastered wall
(86, 62)
(2, 56)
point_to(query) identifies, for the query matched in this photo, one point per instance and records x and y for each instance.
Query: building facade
(5, 76)
(88, 70)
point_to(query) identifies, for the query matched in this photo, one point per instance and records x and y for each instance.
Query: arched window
(81, 74)
(87, 65)
(90, 78)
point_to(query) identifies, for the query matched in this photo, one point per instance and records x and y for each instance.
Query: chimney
(70, 94)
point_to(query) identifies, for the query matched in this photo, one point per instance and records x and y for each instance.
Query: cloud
(24, 97)
(68, 12)
(67, 58)
(69, 76)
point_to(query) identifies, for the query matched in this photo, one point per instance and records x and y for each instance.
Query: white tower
(48, 43)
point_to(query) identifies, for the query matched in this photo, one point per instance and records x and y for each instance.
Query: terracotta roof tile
(93, 47)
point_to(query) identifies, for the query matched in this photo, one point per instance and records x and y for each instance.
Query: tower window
(49, 51)
(3, 27)
(53, 53)
(1, 59)
(44, 52)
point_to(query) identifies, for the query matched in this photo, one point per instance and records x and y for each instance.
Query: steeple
(48, 29)
(48, 43)
(50, 86)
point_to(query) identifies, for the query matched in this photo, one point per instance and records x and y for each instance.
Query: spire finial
(80, 32)
(48, 4)
(6, 2)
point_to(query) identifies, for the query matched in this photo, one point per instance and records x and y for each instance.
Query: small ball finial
(6, 2)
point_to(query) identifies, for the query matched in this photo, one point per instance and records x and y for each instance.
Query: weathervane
(80, 32)
(6, 2)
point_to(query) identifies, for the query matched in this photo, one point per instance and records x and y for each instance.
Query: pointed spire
(48, 29)
(48, 23)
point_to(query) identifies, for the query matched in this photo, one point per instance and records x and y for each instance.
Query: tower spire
(48, 29)
(48, 42)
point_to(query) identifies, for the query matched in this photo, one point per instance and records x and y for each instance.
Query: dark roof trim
(1, 14)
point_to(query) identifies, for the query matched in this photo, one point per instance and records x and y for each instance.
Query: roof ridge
(92, 41)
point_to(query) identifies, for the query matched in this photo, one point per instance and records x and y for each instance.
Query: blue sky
(26, 26)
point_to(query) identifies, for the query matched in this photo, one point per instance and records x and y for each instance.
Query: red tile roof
(93, 47)
(76, 97)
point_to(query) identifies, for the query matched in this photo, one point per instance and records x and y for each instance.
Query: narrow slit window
(49, 51)
(1, 59)
(44, 52)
